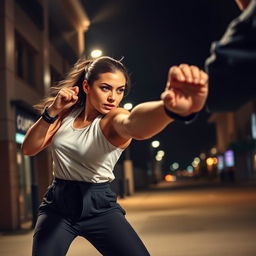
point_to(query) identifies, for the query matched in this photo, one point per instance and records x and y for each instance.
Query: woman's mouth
(108, 106)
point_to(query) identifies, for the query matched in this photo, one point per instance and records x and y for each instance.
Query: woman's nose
(111, 97)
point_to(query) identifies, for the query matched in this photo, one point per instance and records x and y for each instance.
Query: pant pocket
(103, 201)
(100, 200)
(48, 198)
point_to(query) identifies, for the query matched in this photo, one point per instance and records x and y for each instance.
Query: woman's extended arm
(144, 121)
(186, 93)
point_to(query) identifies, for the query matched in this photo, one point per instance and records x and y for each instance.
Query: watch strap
(49, 119)
(184, 119)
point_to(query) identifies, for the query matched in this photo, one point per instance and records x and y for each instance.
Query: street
(178, 221)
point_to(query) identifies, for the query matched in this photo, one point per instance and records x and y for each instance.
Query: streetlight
(128, 106)
(174, 166)
(159, 156)
(161, 153)
(202, 156)
(209, 161)
(197, 160)
(154, 165)
(190, 169)
(213, 151)
(155, 143)
(194, 164)
(96, 53)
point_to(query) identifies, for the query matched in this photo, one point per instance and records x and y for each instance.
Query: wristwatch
(47, 118)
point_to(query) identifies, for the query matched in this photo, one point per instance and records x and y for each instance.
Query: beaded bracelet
(184, 119)
(48, 118)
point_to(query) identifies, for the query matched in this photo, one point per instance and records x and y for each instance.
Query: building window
(55, 76)
(25, 58)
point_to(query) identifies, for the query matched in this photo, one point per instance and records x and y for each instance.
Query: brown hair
(84, 70)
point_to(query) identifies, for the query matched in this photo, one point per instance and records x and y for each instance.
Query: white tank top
(83, 154)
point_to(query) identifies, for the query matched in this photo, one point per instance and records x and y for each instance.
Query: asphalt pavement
(183, 218)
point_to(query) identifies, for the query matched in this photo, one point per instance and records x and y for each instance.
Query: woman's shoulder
(107, 127)
(114, 112)
(108, 119)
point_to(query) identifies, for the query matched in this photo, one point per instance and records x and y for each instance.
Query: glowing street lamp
(214, 151)
(128, 106)
(174, 166)
(197, 160)
(194, 164)
(159, 155)
(155, 144)
(210, 161)
(202, 156)
(96, 53)
(190, 169)
(158, 158)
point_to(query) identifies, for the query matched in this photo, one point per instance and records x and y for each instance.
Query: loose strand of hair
(69, 81)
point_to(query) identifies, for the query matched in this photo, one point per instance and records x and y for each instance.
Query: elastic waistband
(84, 184)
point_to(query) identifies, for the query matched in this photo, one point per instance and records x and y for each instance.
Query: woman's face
(106, 92)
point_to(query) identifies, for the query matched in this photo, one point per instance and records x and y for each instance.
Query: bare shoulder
(115, 112)
(108, 129)
(113, 115)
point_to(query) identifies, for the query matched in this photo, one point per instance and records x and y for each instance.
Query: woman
(87, 133)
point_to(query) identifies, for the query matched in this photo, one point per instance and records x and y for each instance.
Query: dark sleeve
(232, 64)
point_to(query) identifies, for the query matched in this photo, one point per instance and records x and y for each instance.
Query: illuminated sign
(23, 122)
(220, 163)
(253, 118)
(229, 158)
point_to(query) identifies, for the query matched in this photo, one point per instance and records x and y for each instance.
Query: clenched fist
(65, 98)
(186, 89)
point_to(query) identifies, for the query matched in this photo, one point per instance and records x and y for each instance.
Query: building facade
(236, 141)
(39, 41)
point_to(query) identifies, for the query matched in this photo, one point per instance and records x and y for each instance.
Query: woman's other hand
(65, 99)
(186, 89)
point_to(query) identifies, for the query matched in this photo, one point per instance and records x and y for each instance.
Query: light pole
(128, 177)
(154, 160)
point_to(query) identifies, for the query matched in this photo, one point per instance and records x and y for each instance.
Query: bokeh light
(96, 53)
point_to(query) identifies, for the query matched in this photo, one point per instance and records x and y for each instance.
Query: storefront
(27, 174)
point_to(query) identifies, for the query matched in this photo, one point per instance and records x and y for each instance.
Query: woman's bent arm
(40, 134)
(37, 137)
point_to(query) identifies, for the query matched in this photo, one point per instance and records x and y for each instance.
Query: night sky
(152, 36)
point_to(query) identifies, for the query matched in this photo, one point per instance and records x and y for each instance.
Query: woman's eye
(120, 90)
(104, 88)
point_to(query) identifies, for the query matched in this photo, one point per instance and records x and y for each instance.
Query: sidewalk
(167, 213)
(199, 183)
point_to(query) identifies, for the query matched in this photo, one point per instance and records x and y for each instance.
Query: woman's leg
(112, 235)
(52, 236)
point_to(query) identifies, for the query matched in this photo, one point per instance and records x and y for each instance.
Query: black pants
(73, 208)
